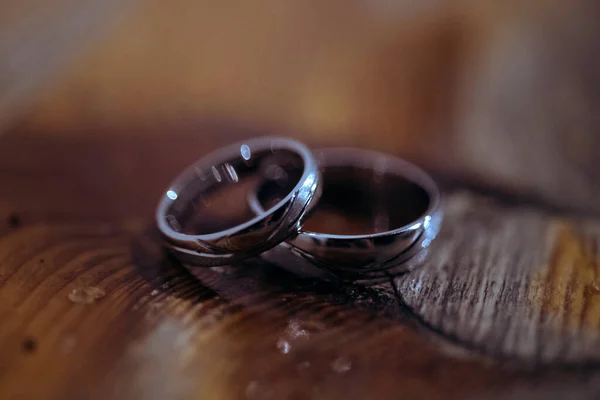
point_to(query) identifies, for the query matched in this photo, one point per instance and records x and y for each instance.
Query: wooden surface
(464, 85)
(505, 307)
(499, 101)
(513, 281)
(39, 39)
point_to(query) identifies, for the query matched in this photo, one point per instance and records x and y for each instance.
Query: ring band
(368, 254)
(233, 165)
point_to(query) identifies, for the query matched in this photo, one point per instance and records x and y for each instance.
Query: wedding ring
(206, 222)
(399, 202)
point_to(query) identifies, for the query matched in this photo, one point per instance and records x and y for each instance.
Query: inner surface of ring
(213, 198)
(358, 201)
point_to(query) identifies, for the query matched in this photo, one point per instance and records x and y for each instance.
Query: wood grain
(78, 213)
(512, 280)
(499, 100)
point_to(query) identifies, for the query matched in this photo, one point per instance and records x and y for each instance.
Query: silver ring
(235, 165)
(374, 254)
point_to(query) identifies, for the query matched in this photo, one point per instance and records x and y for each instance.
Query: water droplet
(341, 365)
(283, 346)
(415, 285)
(596, 287)
(256, 391)
(298, 329)
(86, 295)
(154, 292)
(295, 330)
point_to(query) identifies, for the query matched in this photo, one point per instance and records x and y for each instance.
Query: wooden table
(507, 304)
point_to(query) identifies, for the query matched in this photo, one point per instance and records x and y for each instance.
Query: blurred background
(502, 95)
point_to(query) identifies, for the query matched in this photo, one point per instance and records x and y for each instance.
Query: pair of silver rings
(328, 213)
